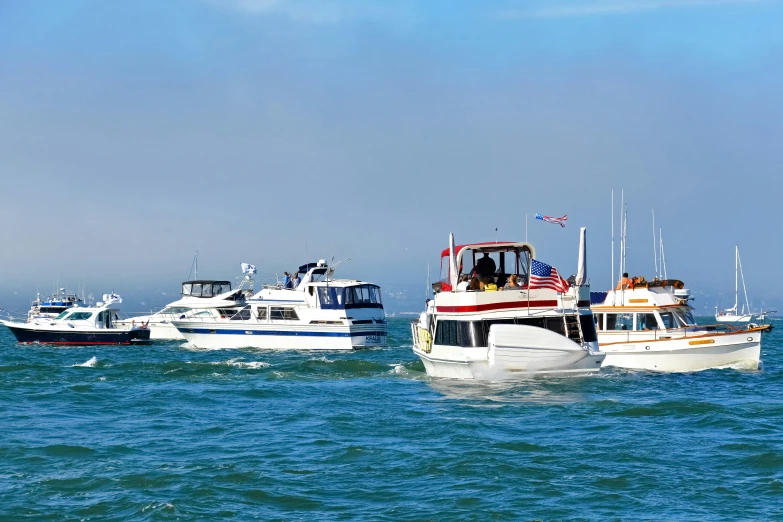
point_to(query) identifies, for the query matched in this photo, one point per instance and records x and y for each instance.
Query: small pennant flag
(556, 220)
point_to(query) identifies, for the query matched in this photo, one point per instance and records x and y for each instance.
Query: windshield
(174, 310)
(62, 315)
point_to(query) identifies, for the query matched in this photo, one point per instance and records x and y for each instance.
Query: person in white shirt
(462, 286)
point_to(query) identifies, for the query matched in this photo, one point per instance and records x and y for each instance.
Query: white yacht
(650, 326)
(733, 315)
(519, 331)
(89, 325)
(320, 313)
(200, 298)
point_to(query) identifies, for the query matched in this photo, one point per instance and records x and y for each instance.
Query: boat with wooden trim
(650, 326)
(493, 335)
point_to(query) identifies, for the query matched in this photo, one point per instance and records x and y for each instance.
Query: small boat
(53, 306)
(200, 298)
(89, 325)
(320, 313)
(732, 315)
(650, 326)
(513, 333)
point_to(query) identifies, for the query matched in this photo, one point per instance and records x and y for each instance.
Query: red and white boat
(509, 333)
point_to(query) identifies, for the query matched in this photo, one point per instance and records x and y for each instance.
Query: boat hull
(162, 331)
(221, 336)
(80, 337)
(514, 351)
(741, 350)
(733, 318)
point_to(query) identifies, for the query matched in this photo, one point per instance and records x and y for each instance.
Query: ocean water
(164, 432)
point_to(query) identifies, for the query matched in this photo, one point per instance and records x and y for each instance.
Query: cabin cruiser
(320, 313)
(53, 306)
(650, 326)
(526, 330)
(200, 298)
(80, 326)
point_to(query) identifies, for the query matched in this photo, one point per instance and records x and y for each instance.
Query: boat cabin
(205, 288)
(501, 259)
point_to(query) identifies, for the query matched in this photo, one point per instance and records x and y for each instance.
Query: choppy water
(163, 432)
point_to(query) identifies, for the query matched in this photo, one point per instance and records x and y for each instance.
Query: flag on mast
(546, 276)
(556, 220)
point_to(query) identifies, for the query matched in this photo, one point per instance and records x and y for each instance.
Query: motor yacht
(320, 313)
(200, 298)
(511, 333)
(89, 325)
(53, 306)
(650, 326)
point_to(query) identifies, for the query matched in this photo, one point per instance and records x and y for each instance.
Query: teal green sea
(163, 432)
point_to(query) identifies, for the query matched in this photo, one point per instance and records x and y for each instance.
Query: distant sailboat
(733, 315)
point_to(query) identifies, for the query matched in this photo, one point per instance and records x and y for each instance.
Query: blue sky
(135, 133)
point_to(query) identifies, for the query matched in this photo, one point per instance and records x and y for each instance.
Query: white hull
(741, 351)
(164, 331)
(482, 370)
(284, 337)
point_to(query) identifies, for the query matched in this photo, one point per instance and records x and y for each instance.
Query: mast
(736, 280)
(663, 256)
(744, 290)
(611, 279)
(655, 252)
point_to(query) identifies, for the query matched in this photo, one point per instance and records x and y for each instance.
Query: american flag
(556, 220)
(545, 276)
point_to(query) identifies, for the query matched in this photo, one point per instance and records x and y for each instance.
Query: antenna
(496, 234)
(655, 252)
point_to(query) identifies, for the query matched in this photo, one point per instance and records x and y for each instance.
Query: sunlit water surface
(163, 432)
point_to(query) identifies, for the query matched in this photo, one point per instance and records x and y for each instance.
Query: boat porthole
(646, 347)
(750, 338)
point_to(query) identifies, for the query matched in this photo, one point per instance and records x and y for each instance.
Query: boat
(765, 314)
(732, 315)
(88, 325)
(320, 313)
(200, 298)
(649, 325)
(52, 306)
(513, 333)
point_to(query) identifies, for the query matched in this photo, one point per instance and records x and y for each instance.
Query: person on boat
(295, 281)
(463, 284)
(488, 285)
(513, 282)
(625, 283)
(486, 266)
(474, 285)
(286, 280)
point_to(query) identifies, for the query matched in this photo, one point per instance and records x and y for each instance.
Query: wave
(91, 363)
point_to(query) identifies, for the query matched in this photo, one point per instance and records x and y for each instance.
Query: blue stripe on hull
(281, 333)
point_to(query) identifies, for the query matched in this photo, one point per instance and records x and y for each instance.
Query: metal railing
(669, 333)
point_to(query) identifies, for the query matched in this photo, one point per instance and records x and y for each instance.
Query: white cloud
(616, 7)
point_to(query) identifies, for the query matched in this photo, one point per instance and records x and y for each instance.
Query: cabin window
(187, 289)
(261, 313)
(221, 288)
(206, 291)
(175, 310)
(80, 316)
(619, 321)
(242, 315)
(588, 328)
(467, 334)
(668, 320)
(195, 290)
(226, 313)
(330, 297)
(646, 322)
(62, 315)
(598, 320)
(283, 313)
(363, 296)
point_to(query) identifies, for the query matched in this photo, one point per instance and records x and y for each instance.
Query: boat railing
(692, 331)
